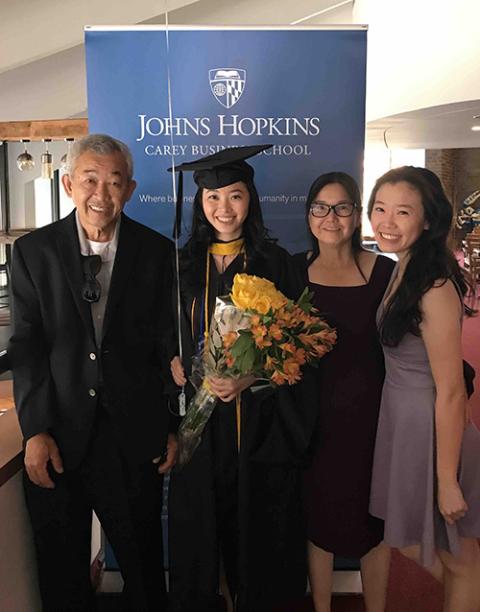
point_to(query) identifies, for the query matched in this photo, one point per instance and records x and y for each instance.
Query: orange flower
(255, 320)
(263, 342)
(270, 363)
(229, 359)
(320, 350)
(291, 318)
(288, 347)
(282, 317)
(275, 331)
(259, 333)
(300, 356)
(292, 370)
(307, 339)
(278, 377)
(229, 339)
(308, 321)
(330, 335)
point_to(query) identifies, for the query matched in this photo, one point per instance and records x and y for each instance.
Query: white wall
(341, 15)
(42, 64)
(51, 88)
(250, 12)
(32, 30)
(421, 53)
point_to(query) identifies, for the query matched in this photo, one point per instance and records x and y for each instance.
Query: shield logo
(227, 85)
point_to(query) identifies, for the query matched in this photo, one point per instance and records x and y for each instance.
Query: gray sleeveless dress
(403, 491)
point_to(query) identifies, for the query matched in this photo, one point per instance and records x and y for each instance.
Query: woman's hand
(451, 503)
(178, 373)
(227, 389)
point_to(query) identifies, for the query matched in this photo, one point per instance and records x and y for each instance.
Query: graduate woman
(426, 475)
(235, 509)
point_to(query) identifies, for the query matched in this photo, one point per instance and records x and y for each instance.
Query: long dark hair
(353, 191)
(430, 262)
(202, 234)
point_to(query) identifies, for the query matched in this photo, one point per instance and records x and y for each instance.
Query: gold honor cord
(226, 248)
(238, 410)
(192, 317)
(182, 400)
(222, 248)
(218, 248)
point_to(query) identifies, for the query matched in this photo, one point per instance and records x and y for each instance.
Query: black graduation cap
(215, 171)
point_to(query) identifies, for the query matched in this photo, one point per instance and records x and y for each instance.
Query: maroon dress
(351, 379)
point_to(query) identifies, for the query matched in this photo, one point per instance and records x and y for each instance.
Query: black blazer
(57, 367)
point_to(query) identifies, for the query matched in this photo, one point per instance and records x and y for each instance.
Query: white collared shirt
(107, 251)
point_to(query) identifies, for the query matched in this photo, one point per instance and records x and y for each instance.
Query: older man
(91, 298)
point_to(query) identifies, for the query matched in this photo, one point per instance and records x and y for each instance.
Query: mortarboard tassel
(177, 226)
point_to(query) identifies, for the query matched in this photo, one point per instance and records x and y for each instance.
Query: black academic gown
(244, 506)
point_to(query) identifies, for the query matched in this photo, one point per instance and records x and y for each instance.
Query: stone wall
(459, 171)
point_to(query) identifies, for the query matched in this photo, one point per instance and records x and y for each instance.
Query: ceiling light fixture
(64, 159)
(47, 161)
(25, 161)
(475, 128)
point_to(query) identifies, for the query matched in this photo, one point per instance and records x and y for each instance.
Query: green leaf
(305, 300)
(242, 344)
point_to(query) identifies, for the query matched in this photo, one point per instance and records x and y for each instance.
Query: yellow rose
(261, 303)
(254, 293)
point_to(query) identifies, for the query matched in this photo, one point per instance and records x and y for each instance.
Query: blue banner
(302, 90)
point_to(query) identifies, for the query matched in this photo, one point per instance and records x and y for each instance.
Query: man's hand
(178, 373)
(39, 450)
(171, 460)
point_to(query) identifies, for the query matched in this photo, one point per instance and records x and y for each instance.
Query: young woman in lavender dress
(426, 474)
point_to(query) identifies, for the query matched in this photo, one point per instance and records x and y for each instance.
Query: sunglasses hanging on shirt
(91, 288)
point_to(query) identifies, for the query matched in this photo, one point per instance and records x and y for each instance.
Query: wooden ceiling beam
(55, 129)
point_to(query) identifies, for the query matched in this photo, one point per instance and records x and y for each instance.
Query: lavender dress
(403, 491)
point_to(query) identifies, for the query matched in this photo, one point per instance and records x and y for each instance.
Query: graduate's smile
(224, 219)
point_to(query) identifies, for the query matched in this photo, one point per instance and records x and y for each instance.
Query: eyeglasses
(91, 289)
(342, 209)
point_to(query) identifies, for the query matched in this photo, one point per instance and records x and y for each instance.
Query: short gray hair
(101, 144)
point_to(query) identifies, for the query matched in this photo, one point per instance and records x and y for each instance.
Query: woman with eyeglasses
(348, 283)
(426, 473)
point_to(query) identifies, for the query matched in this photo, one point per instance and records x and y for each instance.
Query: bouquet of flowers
(255, 330)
